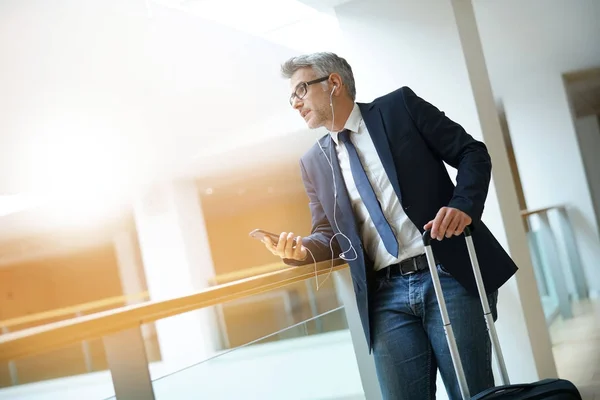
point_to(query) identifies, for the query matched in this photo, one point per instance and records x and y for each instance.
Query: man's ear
(336, 81)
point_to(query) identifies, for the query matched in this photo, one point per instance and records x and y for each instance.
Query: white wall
(528, 45)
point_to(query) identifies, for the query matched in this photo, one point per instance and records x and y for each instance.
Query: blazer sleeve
(318, 242)
(458, 149)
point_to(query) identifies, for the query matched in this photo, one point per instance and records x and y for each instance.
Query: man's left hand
(448, 222)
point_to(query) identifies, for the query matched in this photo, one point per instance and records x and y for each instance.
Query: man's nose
(296, 103)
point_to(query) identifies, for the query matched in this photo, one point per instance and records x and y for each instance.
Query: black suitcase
(547, 389)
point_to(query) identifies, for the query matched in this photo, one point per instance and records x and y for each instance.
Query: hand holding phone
(285, 245)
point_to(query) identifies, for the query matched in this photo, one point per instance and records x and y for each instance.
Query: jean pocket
(442, 271)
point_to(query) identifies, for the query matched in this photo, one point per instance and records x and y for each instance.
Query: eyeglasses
(302, 89)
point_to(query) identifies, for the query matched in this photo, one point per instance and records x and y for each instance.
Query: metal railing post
(12, 367)
(128, 364)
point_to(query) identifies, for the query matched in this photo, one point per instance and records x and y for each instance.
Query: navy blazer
(413, 139)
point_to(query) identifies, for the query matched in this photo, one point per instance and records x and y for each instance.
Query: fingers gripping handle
(427, 236)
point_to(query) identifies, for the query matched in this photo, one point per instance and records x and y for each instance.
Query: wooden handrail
(110, 301)
(247, 273)
(31, 341)
(69, 311)
(527, 213)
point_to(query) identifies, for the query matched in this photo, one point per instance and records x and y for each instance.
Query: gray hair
(323, 64)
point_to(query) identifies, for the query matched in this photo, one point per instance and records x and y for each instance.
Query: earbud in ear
(331, 96)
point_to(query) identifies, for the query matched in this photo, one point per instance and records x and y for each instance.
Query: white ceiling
(304, 25)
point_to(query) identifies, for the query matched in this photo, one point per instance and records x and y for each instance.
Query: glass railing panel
(172, 344)
(544, 279)
(75, 372)
(258, 316)
(306, 364)
(61, 374)
(45, 373)
(572, 261)
(188, 338)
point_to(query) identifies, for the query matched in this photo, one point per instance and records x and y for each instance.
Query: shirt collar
(352, 123)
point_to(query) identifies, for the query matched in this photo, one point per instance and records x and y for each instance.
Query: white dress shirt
(407, 234)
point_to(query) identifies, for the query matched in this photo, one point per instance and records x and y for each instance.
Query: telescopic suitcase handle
(446, 320)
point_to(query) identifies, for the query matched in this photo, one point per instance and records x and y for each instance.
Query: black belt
(405, 267)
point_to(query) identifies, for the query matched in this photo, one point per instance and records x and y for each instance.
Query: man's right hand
(285, 247)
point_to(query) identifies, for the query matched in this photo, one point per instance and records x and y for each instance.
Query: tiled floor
(576, 345)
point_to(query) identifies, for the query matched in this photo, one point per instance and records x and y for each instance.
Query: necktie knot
(344, 136)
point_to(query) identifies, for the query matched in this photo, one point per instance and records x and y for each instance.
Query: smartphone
(260, 234)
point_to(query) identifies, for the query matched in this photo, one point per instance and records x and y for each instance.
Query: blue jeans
(409, 343)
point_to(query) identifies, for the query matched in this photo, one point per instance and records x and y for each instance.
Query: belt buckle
(414, 263)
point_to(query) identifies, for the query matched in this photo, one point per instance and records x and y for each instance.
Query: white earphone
(339, 231)
(329, 159)
(331, 96)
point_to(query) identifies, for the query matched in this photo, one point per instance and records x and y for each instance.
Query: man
(375, 183)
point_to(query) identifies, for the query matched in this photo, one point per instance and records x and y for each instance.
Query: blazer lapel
(374, 122)
(329, 154)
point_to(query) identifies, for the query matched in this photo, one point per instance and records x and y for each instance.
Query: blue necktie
(368, 196)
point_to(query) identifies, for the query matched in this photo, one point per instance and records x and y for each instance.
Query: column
(133, 282)
(524, 335)
(177, 260)
(364, 360)
(131, 268)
